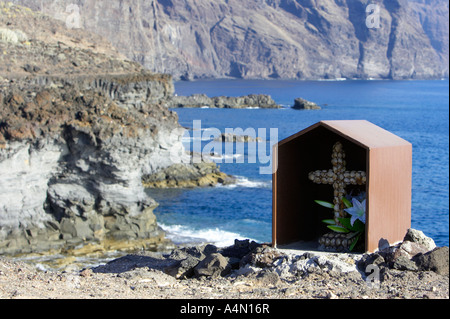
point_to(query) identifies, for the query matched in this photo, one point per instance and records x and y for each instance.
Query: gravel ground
(116, 281)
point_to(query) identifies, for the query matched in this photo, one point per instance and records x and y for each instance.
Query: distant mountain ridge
(288, 39)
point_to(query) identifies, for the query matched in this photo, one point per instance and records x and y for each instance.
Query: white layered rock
(25, 172)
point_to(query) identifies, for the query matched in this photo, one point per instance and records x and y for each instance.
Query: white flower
(358, 211)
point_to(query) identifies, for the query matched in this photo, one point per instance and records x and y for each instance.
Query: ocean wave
(242, 181)
(221, 157)
(181, 234)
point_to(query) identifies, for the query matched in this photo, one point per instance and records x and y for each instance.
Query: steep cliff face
(272, 38)
(72, 161)
(76, 140)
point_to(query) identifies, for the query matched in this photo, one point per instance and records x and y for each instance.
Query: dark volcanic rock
(213, 265)
(435, 260)
(302, 104)
(201, 100)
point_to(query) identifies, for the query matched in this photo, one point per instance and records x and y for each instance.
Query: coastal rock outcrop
(247, 258)
(302, 104)
(71, 162)
(233, 138)
(271, 39)
(79, 127)
(228, 102)
(187, 176)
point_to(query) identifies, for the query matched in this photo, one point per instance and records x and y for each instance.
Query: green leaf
(346, 202)
(324, 204)
(329, 221)
(345, 222)
(353, 244)
(359, 226)
(338, 229)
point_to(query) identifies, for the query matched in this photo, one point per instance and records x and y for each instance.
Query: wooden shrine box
(386, 159)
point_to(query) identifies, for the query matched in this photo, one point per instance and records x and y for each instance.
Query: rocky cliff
(272, 38)
(79, 127)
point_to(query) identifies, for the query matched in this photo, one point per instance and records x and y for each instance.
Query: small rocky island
(302, 104)
(203, 101)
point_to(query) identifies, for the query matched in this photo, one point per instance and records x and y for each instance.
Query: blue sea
(417, 111)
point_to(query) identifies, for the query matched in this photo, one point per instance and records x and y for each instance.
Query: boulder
(408, 249)
(182, 269)
(435, 260)
(404, 263)
(213, 265)
(417, 236)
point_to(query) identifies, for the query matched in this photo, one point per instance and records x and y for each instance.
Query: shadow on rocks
(186, 262)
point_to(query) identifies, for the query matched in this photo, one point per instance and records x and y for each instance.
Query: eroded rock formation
(272, 38)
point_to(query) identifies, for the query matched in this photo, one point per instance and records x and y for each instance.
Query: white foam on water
(181, 234)
(242, 181)
(221, 157)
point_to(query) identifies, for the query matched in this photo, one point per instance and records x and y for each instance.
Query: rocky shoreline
(227, 102)
(245, 270)
(80, 126)
(204, 174)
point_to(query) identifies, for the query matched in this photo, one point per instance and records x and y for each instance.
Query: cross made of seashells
(339, 177)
